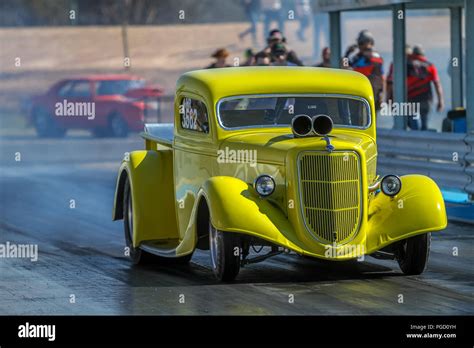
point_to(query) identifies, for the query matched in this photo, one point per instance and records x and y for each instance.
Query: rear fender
(150, 174)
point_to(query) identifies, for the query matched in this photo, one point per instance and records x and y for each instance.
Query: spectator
(389, 79)
(279, 55)
(326, 58)
(364, 59)
(262, 59)
(303, 13)
(221, 59)
(276, 37)
(272, 12)
(420, 75)
(249, 57)
(252, 10)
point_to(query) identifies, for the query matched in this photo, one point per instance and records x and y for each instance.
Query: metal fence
(447, 158)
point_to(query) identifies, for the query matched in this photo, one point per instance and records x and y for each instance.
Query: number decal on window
(193, 115)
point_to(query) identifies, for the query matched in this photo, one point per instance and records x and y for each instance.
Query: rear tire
(225, 254)
(118, 128)
(45, 125)
(413, 253)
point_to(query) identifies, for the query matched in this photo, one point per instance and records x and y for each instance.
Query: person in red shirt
(363, 58)
(421, 74)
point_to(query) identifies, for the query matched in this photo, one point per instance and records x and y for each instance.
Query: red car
(108, 105)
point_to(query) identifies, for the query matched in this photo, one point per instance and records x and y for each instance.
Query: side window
(76, 89)
(64, 89)
(193, 114)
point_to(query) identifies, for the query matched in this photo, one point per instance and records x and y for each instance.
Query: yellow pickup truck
(272, 160)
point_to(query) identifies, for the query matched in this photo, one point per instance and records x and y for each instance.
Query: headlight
(391, 185)
(264, 185)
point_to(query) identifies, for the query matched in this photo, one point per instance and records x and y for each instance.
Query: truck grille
(330, 194)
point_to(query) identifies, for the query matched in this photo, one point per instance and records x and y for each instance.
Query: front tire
(225, 254)
(412, 255)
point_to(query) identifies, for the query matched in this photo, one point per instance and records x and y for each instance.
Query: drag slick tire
(225, 254)
(138, 256)
(412, 254)
(118, 128)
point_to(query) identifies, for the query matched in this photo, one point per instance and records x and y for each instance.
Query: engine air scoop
(322, 125)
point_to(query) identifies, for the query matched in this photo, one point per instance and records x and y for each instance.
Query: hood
(272, 147)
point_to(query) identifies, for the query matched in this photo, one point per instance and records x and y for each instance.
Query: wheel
(412, 254)
(45, 125)
(138, 256)
(118, 127)
(225, 254)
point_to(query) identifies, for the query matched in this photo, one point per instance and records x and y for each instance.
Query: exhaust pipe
(322, 124)
(301, 125)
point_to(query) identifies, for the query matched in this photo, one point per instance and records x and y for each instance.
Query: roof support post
(335, 38)
(456, 57)
(469, 13)
(399, 61)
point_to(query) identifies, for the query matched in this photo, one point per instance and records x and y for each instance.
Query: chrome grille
(330, 194)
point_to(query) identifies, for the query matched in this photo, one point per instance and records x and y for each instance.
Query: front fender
(234, 206)
(418, 208)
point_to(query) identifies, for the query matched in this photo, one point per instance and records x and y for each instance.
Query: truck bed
(161, 133)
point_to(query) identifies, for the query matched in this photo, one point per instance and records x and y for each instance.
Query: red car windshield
(117, 87)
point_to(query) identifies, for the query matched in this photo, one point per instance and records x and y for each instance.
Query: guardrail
(447, 158)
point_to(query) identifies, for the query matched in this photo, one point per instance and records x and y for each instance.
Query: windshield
(258, 111)
(117, 87)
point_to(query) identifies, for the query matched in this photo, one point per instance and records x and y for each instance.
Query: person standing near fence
(363, 58)
(326, 58)
(276, 37)
(220, 56)
(420, 75)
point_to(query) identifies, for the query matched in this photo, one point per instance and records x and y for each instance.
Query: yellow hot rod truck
(277, 157)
